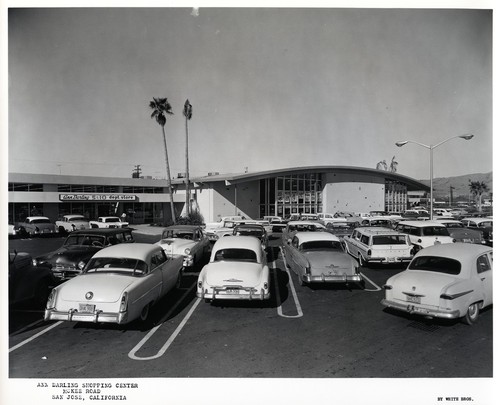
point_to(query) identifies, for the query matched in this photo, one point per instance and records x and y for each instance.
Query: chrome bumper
(244, 294)
(95, 317)
(413, 309)
(329, 278)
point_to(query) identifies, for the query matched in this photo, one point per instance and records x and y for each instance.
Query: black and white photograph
(230, 204)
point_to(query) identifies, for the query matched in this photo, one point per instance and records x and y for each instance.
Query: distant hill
(460, 185)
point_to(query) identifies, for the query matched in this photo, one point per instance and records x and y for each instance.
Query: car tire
(144, 315)
(472, 314)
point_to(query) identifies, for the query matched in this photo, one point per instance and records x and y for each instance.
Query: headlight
(81, 265)
(34, 262)
(187, 251)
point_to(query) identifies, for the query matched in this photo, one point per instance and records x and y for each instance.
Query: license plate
(232, 291)
(468, 240)
(86, 308)
(413, 299)
(391, 259)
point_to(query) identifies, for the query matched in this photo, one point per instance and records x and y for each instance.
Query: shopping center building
(280, 192)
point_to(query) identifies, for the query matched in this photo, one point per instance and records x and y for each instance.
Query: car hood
(233, 273)
(105, 287)
(175, 245)
(69, 254)
(330, 262)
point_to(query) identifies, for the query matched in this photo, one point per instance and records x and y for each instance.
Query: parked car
(237, 270)
(309, 217)
(484, 225)
(379, 245)
(425, 233)
(300, 226)
(13, 231)
(69, 260)
(118, 285)
(326, 218)
(278, 224)
(257, 231)
(377, 221)
(444, 281)
(319, 257)
(108, 222)
(70, 223)
(26, 282)
(460, 232)
(188, 241)
(36, 226)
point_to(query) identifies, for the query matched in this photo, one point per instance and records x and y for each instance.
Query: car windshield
(85, 240)
(116, 264)
(321, 245)
(237, 254)
(436, 264)
(486, 224)
(40, 221)
(112, 219)
(176, 233)
(304, 228)
(389, 240)
(249, 232)
(77, 219)
(435, 231)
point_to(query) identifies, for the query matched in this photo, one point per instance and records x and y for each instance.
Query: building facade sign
(96, 197)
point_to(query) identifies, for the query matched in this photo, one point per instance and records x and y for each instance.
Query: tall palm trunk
(188, 205)
(169, 178)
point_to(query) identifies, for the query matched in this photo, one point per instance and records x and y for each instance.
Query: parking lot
(301, 332)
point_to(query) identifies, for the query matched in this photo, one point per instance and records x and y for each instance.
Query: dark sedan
(69, 260)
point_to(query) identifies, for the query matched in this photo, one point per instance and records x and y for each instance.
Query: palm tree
(478, 188)
(188, 113)
(161, 107)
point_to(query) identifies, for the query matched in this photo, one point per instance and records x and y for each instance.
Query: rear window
(116, 264)
(40, 221)
(389, 240)
(435, 231)
(330, 245)
(245, 255)
(436, 264)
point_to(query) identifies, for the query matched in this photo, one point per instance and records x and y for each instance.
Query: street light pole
(431, 148)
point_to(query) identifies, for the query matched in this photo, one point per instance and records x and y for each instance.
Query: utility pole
(136, 174)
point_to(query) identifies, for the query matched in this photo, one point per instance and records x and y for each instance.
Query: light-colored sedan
(300, 226)
(188, 241)
(73, 222)
(36, 226)
(118, 285)
(319, 257)
(237, 271)
(444, 281)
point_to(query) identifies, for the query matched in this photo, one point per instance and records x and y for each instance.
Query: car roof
(235, 242)
(478, 219)
(315, 236)
(182, 227)
(458, 251)
(73, 216)
(101, 231)
(421, 224)
(377, 231)
(306, 223)
(250, 226)
(140, 251)
(36, 217)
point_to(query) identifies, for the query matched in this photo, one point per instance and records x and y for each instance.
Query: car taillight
(51, 301)
(124, 301)
(265, 286)
(200, 284)
(369, 253)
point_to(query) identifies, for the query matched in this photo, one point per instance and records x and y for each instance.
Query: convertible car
(448, 281)
(237, 271)
(118, 285)
(185, 240)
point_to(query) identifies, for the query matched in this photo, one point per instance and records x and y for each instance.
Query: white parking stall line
(377, 288)
(171, 338)
(292, 287)
(34, 336)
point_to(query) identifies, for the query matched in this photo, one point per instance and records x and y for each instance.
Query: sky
(270, 88)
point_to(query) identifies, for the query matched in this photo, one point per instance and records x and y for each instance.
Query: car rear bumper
(415, 309)
(328, 278)
(243, 294)
(389, 259)
(96, 317)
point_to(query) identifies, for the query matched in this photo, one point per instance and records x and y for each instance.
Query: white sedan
(444, 281)
(70, 223)
(188, 241)
(119, 284)
(237, 271)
